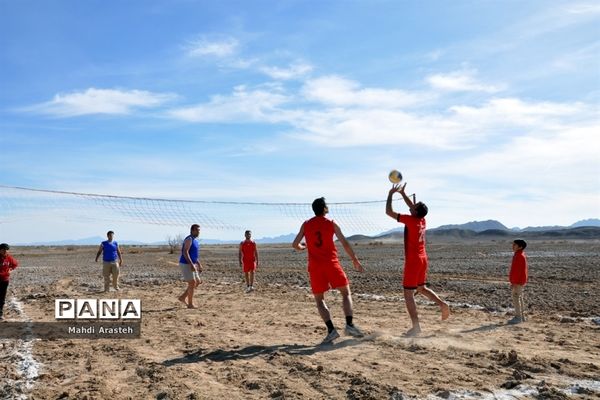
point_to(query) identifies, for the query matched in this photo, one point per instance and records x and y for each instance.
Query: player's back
(414, 235)
(319, 232)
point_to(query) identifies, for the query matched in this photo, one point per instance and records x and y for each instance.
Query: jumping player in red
(248, 256)
(324, 268)
(415, 257)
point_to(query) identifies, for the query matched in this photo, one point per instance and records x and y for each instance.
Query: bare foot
(191, 306)
(445, 311)
(182, 299)
(412, 332)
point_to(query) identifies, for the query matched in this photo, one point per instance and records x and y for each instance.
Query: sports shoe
(248, 289)
(353, 330)
(331, 336)
(514, 321)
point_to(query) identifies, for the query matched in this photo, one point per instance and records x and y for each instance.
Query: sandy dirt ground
(266, 344)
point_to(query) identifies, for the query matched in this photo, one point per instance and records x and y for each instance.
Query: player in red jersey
(518, 279)
(7, 265)
(324, 268)
(415, 257)
(248, 256)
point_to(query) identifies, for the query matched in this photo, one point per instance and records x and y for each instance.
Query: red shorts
(415, 272)
(324, 278)
(249, 267)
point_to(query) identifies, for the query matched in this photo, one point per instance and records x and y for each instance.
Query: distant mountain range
(587, 228)
(480, 226)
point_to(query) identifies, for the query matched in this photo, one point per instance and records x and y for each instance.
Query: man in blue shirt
(190, 266)
(111, 261)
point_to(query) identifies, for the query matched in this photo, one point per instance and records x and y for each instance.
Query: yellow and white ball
(395, 176)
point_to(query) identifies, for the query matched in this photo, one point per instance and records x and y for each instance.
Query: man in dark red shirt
(415, 257)
(7, 264)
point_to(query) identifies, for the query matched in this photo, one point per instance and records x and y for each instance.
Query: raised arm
(338, 232)
(407, 199)
(296, 243)
(388, 204)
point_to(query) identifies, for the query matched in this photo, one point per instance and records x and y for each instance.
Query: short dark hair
(421, 209)
(319, 205)
(521, 243)
(194, 226)
(109, 232)
(248, 231)
(4, 246)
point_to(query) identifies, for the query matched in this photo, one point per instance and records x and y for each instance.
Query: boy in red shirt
(518, 279)
(324, 268)
(7, 264)
(415, 257)
(248, 256)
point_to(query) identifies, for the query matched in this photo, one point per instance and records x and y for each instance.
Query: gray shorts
(189, 273)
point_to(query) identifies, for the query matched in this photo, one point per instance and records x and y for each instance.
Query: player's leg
(3, 290)
(106, 271)
(350, 329)
(190, 293)
(411, 307)
(410, 283)
(326, 316)
(322, 306)
(251, 278)
(115, 275)
(516, 291)
(431, 295)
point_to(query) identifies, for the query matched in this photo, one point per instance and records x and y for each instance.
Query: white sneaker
(252, 288)
(248, 289)
(331, 336)
(353, 330)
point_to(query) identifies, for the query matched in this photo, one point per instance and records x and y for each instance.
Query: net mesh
(18, 204)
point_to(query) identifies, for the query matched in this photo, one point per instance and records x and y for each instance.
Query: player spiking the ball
(324, 268)
(415, 257)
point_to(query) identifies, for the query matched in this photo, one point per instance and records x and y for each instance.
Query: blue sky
(489, 108)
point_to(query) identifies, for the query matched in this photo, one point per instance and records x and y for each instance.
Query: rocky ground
(266, 344)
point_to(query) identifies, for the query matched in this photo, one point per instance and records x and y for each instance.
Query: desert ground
(266, 344)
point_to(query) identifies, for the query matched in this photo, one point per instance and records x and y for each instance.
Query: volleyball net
(27, 204)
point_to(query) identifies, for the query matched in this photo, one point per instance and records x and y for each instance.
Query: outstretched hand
(397, 188)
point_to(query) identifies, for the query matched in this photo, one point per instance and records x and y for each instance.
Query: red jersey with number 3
(322, 252)
(414, 235)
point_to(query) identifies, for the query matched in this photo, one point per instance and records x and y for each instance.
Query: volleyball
(395, 176)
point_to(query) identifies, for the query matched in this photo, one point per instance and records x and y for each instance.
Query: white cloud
(212, 47)
(337, 91)
(293, 71)
(243, 105)
(588, 9)
(100, 101)
(460, 81)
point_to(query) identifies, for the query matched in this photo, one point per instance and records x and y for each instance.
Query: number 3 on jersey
(319, 241)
